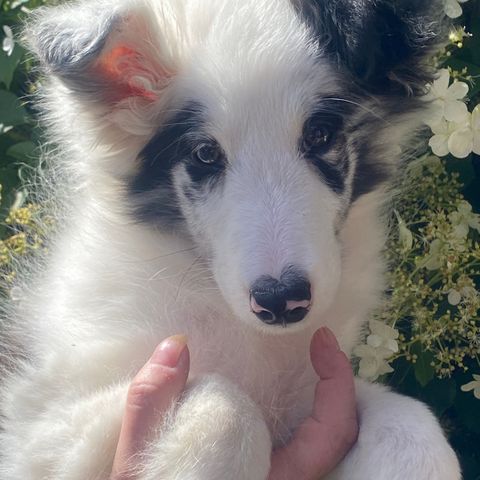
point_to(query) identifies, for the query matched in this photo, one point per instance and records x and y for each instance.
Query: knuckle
(140, 394)
(147, 386)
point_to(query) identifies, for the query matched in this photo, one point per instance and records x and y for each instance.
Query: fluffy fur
(152, 241)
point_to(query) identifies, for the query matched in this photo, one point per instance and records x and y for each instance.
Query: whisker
(363, 107)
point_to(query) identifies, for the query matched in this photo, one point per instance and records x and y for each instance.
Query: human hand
(159, 383)
(318, 444)
(326, 436)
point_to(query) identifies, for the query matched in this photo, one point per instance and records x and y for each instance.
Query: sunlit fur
(86, 317)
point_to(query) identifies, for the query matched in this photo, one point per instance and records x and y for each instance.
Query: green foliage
(18, 130)
(439, 341)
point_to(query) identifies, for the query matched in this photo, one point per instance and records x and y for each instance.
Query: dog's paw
(216, 432)
(399, 439)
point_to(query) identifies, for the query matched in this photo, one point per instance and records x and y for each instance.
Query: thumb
(160, 381)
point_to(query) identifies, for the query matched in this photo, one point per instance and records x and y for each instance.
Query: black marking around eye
(333, 176)
(329, 159)
(152, 189)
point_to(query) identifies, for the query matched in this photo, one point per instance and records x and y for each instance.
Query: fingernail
(327, 338)
(169, 351)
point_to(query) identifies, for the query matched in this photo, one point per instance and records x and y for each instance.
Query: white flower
(454, 297)
(473, 385)
(464, 219)
(467, 293)
(465, 139)
(381, 345)
(452, 137)
(8, 43)
(446, 101)
(382, 336)
(372, 361)
(452, 8)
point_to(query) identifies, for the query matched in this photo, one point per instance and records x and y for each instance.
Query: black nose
(283, 301)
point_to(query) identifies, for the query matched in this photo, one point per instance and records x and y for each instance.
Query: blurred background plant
(20, 136)
(425, 340)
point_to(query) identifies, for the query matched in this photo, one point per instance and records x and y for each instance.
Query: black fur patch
(370, 172)
(152, 189)
(384, 43)
(332, 175)
(373, 167)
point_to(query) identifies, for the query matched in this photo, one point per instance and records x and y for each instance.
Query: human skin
(316, 447)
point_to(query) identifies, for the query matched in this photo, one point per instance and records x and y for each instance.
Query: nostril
(262, 313)
(295, 315)
(265, 316)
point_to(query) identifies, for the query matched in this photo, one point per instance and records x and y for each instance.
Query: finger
(151, 393)
(325, 437)
(335, 392)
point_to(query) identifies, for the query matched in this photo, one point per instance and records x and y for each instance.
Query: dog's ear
(103, 51)
(386, 44)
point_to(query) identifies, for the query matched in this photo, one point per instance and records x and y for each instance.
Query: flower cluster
(381, 345)
(456, 130)
(25, 237)
(433, 301)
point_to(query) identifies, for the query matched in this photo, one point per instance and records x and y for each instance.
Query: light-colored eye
(208, 153)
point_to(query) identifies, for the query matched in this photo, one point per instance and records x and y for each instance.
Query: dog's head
(251, 127)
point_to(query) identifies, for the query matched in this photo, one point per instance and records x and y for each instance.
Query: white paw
(216, 433)
(399, 439)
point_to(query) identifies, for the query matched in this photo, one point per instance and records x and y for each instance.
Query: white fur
(113, 288)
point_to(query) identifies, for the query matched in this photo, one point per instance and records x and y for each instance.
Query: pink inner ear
(119, 67)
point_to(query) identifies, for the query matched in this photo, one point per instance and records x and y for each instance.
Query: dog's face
(259, 125)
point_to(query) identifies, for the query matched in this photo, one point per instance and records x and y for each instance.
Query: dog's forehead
(257, 65)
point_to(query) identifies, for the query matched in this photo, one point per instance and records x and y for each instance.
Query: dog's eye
(208, 153)
(316, 135)
(320, 132)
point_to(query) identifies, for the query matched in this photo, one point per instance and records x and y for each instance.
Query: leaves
(9, 64)
(12, 112)
(22, 151)
(424, 372)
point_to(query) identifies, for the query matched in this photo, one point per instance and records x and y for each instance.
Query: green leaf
(12, 112)
(22, 151)
(423, 370)
(8, 65)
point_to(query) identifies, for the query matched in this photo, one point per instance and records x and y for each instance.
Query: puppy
(220, 170)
